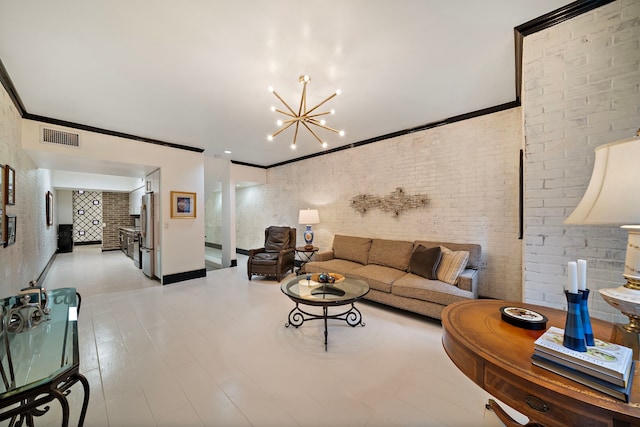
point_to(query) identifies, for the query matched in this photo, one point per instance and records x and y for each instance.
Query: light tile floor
(215, 352)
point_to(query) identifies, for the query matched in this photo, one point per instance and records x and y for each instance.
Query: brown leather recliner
(277, 256)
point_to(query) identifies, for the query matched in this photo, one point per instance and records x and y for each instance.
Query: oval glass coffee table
(345, 292)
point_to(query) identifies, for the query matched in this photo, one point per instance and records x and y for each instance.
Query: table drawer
(547, 408)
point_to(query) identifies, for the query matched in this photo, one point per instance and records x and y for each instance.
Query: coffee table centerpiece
(325, 290)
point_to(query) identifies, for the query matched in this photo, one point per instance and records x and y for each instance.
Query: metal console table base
(352, 316)
(30, 402)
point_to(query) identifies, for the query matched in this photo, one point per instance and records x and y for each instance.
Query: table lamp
(613, 198)
(308, 217)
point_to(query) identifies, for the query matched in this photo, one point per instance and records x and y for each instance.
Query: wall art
(49, 207)
(9, 185)
(183, 204)
(10, 230)
(395, 202)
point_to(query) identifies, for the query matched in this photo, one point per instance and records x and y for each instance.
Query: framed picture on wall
(10, 230)
(9, 185)
(49, 208)
(183, 205)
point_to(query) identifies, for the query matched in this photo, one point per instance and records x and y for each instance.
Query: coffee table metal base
(352, 316)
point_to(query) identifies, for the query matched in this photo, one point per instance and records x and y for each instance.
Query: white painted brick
(610, 41)
(36, 242)
(469, 171)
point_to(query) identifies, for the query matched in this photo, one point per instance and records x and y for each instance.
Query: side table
(304, 255)
(497, 356)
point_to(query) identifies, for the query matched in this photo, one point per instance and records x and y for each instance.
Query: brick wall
(468, 170)
(115, 214)
(581, 85)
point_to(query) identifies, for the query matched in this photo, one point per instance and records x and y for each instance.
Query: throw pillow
(424, 261)
(451, 265)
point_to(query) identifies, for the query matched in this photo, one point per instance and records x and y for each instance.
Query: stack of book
(605, 367)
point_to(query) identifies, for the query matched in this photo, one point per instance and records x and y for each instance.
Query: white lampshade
(308, 217)
(613, 194)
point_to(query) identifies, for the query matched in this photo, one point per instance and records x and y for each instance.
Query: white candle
(573, 277)
(582, 274)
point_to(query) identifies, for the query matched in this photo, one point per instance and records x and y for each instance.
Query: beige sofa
(394, 270)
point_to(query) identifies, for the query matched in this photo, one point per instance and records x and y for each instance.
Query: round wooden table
(497, 356)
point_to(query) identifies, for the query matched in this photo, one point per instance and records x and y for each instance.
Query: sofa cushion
(378, 277)
(413, 286)
(424, 261)
(331, 266)
(473, 249)
(354, 249)
(390, 253)
(451, 265)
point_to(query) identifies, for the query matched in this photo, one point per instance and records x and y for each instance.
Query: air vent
(54, 136)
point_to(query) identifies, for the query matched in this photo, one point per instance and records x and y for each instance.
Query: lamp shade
(308, 216)
(613, 194)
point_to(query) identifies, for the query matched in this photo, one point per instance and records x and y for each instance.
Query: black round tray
(524, 318)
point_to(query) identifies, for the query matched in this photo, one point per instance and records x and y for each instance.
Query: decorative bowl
(327, 277)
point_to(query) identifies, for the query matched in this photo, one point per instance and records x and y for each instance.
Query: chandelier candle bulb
(573, 277)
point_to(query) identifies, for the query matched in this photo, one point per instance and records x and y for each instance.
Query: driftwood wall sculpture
(395, 202)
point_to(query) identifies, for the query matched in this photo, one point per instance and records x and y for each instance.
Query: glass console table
(39, 356)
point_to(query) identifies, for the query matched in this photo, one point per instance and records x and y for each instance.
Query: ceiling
(196, 73)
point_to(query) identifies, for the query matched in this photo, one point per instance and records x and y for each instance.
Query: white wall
(181, 170)
(64, 206)
(216, 171)
(581, 90)
(468, 170)
(94, 181)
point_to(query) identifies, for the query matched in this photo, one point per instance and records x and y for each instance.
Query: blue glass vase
(574, 330)
(586, 320)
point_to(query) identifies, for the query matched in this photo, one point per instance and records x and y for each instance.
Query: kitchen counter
(130, 229)
(129, 239)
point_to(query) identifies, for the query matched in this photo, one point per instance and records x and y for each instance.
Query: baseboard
(185, 275)
(90, 242)
(43, 275)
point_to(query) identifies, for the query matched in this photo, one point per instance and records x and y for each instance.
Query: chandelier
(308, 118)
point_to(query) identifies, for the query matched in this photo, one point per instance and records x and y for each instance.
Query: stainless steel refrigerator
(146, 235)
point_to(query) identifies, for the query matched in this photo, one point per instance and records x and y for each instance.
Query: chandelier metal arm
(283, 129)
(316, 123)
(326, 100)
(285, 104)
(312, 116)
(312, 132)
(295, 134)
(303, 100)
(277, 110)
